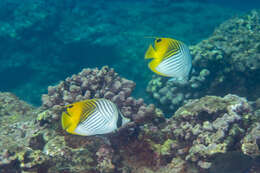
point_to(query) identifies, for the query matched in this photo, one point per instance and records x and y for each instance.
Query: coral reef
(94, 83)
(232, 53)
(19, 135)
(89, 83)
(198, 132)
(173, 94)
(12, 106)
(204, 128)
(187, 142)
(226, 62)
(211, 125)
(43, 144)
(197, 138)
(251, 142)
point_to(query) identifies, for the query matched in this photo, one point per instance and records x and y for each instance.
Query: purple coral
(89, 83)
(95, 83)
(104, 158)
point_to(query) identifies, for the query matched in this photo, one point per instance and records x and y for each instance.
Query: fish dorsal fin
(88, 108)
(166, 47)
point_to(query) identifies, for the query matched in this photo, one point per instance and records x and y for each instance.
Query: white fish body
(98, 116)
(101, 121)
(178, 65)
(170, 58)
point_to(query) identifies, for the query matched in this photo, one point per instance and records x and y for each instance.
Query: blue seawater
(43, 42)
(36, 50)
(239, 4)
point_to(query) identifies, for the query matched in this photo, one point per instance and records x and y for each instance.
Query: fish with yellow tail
(170, 58)
(92, 117)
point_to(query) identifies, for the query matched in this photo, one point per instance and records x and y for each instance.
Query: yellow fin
(150, 53)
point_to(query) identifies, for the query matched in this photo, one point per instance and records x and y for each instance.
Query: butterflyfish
(170, 58)
(92, 117)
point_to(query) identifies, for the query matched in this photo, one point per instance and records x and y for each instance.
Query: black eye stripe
(119, 120)
(158, 40)
(70, 106)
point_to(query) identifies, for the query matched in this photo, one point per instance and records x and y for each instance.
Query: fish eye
(70, 106)
(158, 40)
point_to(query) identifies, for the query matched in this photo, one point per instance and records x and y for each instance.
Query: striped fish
(92, 117)
(171, 58)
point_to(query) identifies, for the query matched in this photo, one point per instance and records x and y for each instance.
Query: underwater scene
(130, 86)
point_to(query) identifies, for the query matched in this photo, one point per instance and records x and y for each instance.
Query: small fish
(92, 117)
(171, 58)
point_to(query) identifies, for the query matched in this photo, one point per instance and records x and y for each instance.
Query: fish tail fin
(150, 53)
(65, 120)
(124, 119)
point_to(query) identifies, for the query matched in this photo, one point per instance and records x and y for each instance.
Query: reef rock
(209, 126)
(251, 142)
(173, 94)
(232, 55)
(187, 142)
(204, 128)
(43, 145)
(10, 105)
(95, 83)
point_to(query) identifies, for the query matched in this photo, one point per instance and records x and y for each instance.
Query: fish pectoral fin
(150, 53)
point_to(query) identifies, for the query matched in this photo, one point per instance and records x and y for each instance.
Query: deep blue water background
(40, 55)
(238, 4)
